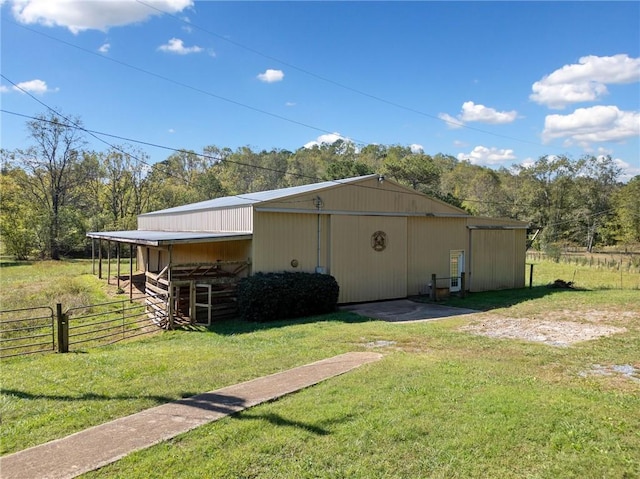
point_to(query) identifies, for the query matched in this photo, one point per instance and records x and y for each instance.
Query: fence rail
(22, 331)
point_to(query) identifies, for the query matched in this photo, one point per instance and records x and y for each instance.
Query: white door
(456, 267)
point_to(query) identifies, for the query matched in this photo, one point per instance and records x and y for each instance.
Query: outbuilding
(379, 239)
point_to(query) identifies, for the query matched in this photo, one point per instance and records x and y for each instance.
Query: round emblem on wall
(379, 240)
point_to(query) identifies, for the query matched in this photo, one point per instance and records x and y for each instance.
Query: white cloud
(480, 113)
(628, 171)
(171, 130)
(327, 139)
(271, 76)
(415, 148)
(591, 125)
(37, 87)
(104, 48)
(481, 155)
(483, 114)
(175, 45)
(81, 15)
(452, 122)
(290, 103)
(585, 81)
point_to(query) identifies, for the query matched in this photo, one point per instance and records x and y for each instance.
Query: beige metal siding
(497, 259)
(211, 252)
(238, 219)
(280, 238)
(430, 241)
(368, 196)
(363, 273)
(151, 258)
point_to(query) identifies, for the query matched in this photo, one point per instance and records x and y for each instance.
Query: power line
(182, 84)
(217, 159)
(333, 82)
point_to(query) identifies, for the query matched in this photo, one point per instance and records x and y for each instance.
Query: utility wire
(333, 82)
(273, 170)
(182, 84)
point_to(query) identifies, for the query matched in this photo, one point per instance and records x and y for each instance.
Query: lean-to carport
(168, 279)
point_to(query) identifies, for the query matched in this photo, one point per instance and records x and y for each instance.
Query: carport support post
(131, 272)
(100, 258)
(108, 262)
(118, 256)
(171, 295)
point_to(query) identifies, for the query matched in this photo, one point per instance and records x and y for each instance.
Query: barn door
(456, 267)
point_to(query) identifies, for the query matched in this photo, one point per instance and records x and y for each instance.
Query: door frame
(456, 260)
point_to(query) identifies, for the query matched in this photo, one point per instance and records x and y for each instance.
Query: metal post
(530, 275)
(462, 284)
(63, 330)
(118, 256)
(131, 272)
(169, 278)
(93, 256)
(100, 258)
(108, 262)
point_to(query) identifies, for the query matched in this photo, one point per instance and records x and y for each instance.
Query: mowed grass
(441, 403)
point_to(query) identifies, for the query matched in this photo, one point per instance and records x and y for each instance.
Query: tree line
(56, 190)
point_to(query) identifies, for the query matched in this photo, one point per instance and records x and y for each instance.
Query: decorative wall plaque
(379, 240)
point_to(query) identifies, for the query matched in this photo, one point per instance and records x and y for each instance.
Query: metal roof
(160, 238)
(259, 197)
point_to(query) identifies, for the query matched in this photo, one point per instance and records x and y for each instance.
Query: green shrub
(273, 296)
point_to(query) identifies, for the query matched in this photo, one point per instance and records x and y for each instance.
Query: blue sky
(496, 83)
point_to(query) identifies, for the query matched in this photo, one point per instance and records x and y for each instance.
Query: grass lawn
(441, 403)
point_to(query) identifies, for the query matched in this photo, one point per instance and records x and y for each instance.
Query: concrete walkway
(101, 445)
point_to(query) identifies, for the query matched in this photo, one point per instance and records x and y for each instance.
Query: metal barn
(379, 239)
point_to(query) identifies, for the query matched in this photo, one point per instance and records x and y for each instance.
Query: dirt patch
(553, 329)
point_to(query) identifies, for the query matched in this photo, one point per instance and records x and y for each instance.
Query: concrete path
(404, 310)
(100, 445)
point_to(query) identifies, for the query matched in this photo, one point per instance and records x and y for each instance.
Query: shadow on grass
(278, 420)
(5, 263)
(487, 300)
(214, 402)
(85, 397)
(240, 326)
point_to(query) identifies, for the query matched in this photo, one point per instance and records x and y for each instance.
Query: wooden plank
(155, 289)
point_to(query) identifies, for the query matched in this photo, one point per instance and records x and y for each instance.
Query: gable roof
(259, 197)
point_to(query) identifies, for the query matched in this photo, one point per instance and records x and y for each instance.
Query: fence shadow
(488, 300)
(86, 396)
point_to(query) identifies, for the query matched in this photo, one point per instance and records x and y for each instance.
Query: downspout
(317, 201)
(469, 272)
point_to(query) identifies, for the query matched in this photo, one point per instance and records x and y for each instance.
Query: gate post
(531, 275)
(63, 330)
